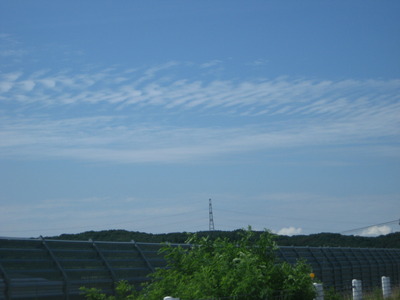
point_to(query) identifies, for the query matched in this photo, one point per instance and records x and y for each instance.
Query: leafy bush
(220, 268)
(123, 291)
(216, 269)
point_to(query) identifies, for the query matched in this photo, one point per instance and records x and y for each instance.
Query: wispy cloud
(106, 138)
(9, 47)
(212, 63)
(256, 114)
(259, 62)
(278, 96)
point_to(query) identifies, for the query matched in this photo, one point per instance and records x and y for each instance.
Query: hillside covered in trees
(313, 240)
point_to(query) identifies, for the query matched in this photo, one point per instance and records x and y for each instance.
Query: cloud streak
(257, 115)
(151, 87)
(104, 138)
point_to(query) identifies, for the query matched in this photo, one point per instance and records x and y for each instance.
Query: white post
(357, 289)
(386, 288)
(319, 289)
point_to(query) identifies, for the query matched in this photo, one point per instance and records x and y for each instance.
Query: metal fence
(55, 269)
(336, 267)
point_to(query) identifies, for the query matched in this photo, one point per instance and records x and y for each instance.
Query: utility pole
(211, 219)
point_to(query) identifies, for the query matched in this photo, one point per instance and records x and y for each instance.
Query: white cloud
(111, 138)
(48, 83)
(9, 47)
(259, 62)
(281, 96)
(28, 85)
(376, 230)
(289, 231)
(12, 53)
(5, 86)
(12, 76)
(212, 63)
(257, 115)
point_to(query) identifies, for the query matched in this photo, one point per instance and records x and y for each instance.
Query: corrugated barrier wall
(55, 269)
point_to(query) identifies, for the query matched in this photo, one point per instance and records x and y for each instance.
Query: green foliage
(331, 294)
(220, 268)
(93, 293)
(376, 294)
(123, 291)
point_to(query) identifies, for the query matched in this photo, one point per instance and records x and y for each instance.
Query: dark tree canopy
(314, 240)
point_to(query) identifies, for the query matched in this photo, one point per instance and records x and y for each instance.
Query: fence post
(7, 281)
(319, 289)
(357, 289)
(105, 264)
(59, 267)
(386, 288)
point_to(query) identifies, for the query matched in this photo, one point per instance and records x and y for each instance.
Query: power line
(366, 227)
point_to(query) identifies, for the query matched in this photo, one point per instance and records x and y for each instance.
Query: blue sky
(132, 114)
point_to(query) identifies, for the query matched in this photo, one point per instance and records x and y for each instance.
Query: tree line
(313, 240)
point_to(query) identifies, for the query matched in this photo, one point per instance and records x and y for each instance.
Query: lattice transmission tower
(211, 218)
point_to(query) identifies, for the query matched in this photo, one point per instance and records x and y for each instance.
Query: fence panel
(55, 269)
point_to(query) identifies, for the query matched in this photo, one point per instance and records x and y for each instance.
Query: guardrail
(56, 269)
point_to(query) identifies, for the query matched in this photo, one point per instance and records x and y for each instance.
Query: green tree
(207, 268)
(213, 269)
